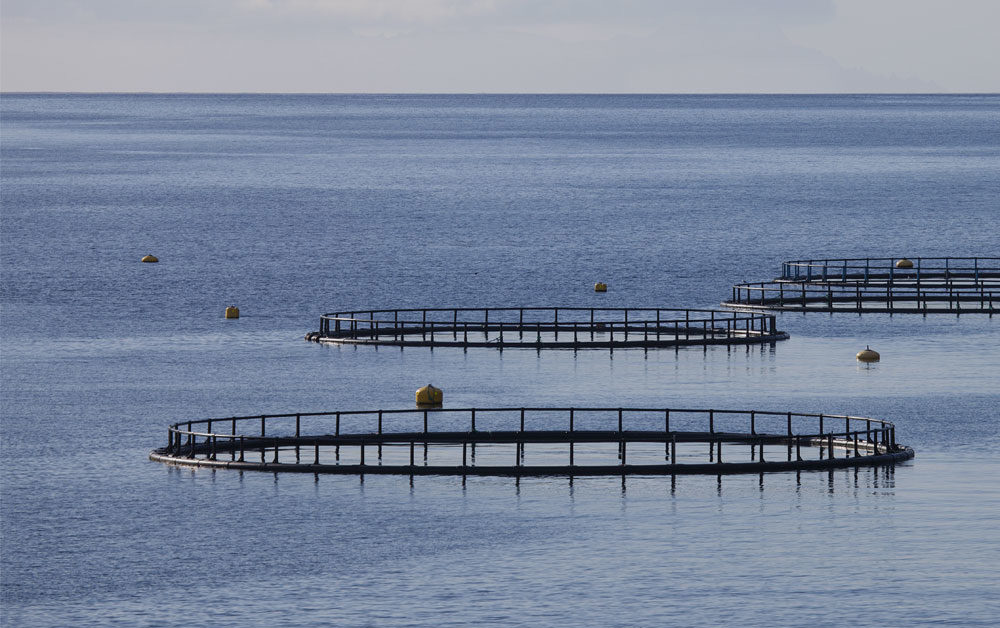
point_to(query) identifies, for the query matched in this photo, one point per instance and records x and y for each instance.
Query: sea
(290, 206)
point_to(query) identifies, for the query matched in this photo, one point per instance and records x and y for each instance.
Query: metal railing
(860, 297)
(570, 327)
(231, 441)
(884, 268)
(933, 285)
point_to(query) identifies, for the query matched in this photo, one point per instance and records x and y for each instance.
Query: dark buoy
(868, 355)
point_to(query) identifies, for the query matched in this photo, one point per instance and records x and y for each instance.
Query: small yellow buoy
(232, 312)
(600, 287)
(429, 396)
(150, 259)
(868, 355)
(904, 263)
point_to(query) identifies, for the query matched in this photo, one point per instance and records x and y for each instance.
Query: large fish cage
(921, 285)
(546, 327)
(534, 442)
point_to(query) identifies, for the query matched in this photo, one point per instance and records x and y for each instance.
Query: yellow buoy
(600, 287)
(429, 396)
(868, 355)
(904, 263)
(232, 312)
(150, 259)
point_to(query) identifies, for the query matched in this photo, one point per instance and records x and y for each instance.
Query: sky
(500, 46)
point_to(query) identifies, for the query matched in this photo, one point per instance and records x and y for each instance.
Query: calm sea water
(290, 206)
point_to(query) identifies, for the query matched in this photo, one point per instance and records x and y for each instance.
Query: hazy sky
(658, 46)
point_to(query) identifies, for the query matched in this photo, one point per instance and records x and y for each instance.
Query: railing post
(666, 432)
(571, 447)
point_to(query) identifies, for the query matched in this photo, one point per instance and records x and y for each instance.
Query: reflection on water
(290, 206)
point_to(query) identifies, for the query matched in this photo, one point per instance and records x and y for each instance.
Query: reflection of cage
(534, 441)
(931, 285)
(546, 327)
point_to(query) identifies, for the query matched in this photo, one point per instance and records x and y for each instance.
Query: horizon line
(388, 93)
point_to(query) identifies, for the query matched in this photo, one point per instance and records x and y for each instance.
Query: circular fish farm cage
(546, 327)
(534, 442)
(923, 285)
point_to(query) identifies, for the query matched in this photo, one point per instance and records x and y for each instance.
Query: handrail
(358, 315)
(454, 411)
(831, 268)
(932, 285)
(863, 440)
(596, 327)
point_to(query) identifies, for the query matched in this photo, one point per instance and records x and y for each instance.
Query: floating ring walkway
(533, 442)
(933, 285)
(546, 327)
